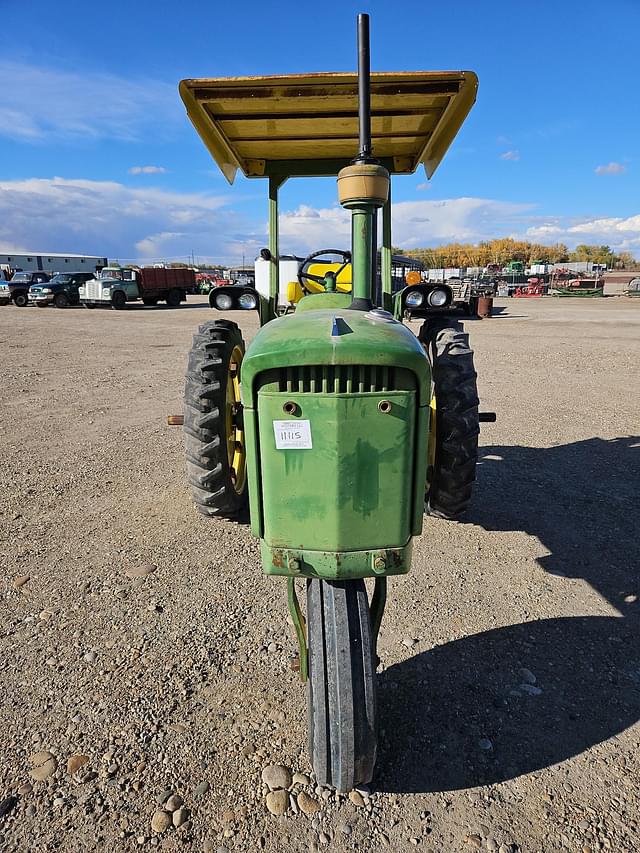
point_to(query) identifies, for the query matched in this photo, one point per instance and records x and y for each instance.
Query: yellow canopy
(307, 124)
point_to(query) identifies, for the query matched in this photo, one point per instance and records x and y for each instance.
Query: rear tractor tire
(341, 689)
(453, 446)
(213, 428)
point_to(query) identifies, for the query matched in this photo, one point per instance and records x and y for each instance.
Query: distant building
(52, 262)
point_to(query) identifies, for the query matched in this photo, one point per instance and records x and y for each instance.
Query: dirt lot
(146, 655)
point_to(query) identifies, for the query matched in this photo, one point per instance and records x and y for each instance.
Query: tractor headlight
(437, 298)
(248, 301)
(223, 301)
(414, 299)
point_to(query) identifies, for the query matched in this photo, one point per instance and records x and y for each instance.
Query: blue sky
(97, 155)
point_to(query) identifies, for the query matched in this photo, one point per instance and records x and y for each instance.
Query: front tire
(61, 300)
(21, 300)
(454, 441)
(118, 300)
(341, 689)
(213, 428)
(174, 298)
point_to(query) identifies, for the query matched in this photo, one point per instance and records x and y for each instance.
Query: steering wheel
(319, 279)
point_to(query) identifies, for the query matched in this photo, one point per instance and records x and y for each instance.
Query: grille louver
(337, 379)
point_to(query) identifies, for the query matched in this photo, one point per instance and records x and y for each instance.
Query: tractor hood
(335, 337)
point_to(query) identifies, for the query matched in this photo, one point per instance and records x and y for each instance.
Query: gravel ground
(145, 661)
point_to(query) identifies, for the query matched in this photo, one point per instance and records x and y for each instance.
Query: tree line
(505, 249)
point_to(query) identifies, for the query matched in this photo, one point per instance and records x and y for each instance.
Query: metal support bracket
(376, 610)
(300, 627)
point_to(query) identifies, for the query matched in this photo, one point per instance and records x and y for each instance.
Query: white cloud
(429, 223)
(109, 218)
(133, 223)
(611, 169)
(415, 223)
(147, 170)
(39, 103)
(510, 155)
(424, 186)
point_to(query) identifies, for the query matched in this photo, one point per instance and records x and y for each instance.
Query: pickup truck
(115, 286)
(62, 290)
(18, 288)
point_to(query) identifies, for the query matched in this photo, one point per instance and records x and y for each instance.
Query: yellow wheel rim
(236, 450)
(431, 452)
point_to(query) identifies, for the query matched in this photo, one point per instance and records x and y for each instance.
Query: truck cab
(18, 288)
(111, 286)
(62, 290)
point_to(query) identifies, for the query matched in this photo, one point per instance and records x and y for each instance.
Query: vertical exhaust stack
(364, 90)
(363, 187)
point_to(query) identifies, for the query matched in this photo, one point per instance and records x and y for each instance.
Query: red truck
(115, 286)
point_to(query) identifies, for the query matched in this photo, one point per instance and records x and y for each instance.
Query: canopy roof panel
(307, 124)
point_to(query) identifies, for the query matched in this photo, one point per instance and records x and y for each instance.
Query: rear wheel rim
(236, 451)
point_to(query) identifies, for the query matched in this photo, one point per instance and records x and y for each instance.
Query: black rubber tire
(5, 302)
(118, 300)
(87, 305)
(61, 300)
(174, 298)
(42, 304)
(205, 440)
(21, 299)
(341, 690)
(457, 421)
(149, 300)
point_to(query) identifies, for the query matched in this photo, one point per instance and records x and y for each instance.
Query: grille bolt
(384, 406)
(379, 564)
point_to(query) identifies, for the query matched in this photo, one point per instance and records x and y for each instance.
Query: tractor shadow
(483, 719)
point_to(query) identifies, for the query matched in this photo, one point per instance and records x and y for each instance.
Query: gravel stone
(201, 789)
(173, 803)
(179, 817)
(161, 821)
(276, 776)
(356, 798)
(278, 801)
(75, 762)
(307, 803)
(43, 764)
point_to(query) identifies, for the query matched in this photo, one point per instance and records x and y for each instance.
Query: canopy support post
(271, 312)
(385, 254)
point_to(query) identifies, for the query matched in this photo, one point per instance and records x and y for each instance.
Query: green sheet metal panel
(350, 486)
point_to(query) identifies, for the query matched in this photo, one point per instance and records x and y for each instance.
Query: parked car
(18, 288)
(62, 290)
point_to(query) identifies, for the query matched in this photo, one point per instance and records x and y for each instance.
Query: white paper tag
(292, 435)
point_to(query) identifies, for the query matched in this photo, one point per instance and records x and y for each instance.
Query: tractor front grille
(337, 379)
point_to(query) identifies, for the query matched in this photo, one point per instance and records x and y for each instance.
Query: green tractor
(338, 426)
